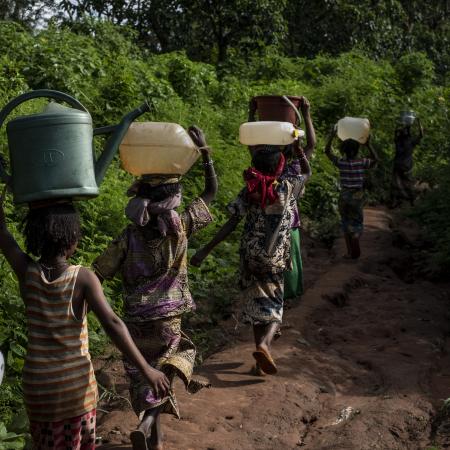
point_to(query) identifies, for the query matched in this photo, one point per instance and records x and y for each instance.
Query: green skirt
(293, 279)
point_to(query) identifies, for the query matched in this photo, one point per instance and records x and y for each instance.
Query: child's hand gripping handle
(158, 381)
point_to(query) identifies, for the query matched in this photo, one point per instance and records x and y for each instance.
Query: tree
(29, 12)
(205, 28)
(385, 28)
(246, 25)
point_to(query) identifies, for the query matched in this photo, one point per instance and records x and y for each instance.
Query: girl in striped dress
(352, 170)
(59, 385)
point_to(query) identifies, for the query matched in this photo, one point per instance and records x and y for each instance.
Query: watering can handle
(48, 93)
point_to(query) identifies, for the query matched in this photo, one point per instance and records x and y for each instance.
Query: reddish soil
(363, 364)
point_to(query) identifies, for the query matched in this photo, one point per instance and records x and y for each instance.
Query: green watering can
(51, 153)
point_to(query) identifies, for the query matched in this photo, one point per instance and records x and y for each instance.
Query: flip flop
(265, 361)
(138, 440)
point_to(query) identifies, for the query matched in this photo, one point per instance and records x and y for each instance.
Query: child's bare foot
(265, 360)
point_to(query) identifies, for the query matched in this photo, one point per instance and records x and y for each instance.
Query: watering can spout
(112, 144)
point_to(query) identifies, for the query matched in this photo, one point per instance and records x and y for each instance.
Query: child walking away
(351, 200)
(266, 204)
(293, 278)
(58, 379)
(151, 257)
(402, 179)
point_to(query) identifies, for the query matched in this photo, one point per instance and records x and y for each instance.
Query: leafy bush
(108, 73)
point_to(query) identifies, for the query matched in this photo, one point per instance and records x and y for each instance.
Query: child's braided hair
(51, 230)
(350, 148)
(266, 159)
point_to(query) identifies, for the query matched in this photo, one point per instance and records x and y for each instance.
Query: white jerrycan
(354, 128)
(157, 148)
(268, 133)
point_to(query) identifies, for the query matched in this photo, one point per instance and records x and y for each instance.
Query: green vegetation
(107, 68)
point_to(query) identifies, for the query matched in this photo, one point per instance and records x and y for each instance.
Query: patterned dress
(156, 293)
(265, 251)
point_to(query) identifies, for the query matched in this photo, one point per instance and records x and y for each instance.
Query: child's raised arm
(221, 235)
(118, 331)
(16, 258)
(328, 146)
(309, 128)
(211, 185)
(372, 151)
(304, 163)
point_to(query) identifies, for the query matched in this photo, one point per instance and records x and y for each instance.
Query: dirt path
(362, 365)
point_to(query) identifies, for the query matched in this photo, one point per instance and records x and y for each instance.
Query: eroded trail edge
(362, 365)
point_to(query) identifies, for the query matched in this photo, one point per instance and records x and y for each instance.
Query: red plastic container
(274, 108)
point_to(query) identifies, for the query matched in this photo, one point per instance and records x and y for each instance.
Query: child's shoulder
(87, 278)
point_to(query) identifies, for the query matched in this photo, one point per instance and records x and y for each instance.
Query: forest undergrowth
(111, 75)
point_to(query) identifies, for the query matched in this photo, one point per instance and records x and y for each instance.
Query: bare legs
(352, 243)
(148, 432)
(154, 442)
(264, 334)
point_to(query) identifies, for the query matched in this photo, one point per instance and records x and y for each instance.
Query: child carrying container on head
(352, 170)
(266, 204)
(59, 385)
(151, 257)
(402, 187)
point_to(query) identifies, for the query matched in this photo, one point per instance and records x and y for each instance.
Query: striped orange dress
(58, 377)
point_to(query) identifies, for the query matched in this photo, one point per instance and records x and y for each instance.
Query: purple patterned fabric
(154, 267)
(139, 210)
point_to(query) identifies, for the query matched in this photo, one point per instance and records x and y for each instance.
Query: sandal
(265, 361)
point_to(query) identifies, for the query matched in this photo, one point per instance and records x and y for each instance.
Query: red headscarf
(261, 186)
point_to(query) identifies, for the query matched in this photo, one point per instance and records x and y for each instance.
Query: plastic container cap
(268, 133)
(354, 128)
(157, 148)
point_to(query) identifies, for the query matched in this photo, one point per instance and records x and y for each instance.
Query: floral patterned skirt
(262, 296)
(165, 347)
